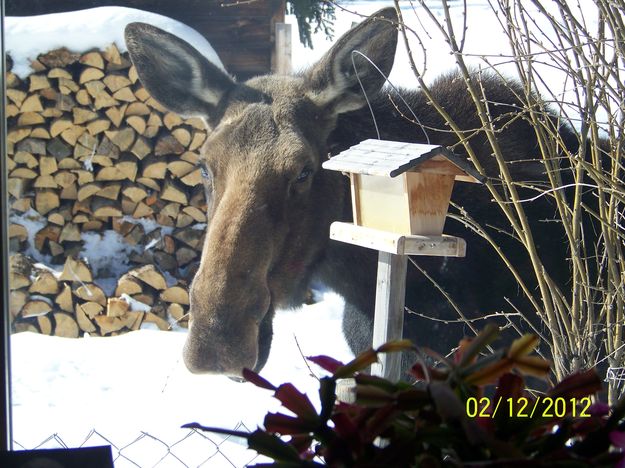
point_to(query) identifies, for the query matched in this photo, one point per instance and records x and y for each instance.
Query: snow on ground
(136, 383)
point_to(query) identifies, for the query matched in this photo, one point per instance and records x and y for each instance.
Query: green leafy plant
(471, 409)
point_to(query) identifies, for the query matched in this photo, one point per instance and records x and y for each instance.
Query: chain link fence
(193, 449)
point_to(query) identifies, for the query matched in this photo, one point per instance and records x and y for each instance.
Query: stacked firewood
(89, 150)
(70, 304)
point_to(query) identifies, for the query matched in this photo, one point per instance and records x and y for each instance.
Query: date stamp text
(545, 407)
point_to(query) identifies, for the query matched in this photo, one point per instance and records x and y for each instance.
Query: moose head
(269, 203)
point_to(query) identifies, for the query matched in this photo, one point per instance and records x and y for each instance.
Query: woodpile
(91, 151)
(70, 304)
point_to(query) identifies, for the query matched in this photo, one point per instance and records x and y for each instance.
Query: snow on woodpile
(80, 31)
(103, 181)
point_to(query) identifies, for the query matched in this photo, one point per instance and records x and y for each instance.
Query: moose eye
(205, 171)
(304, 175)
(207, 178)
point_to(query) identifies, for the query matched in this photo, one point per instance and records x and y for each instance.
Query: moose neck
(393, 118)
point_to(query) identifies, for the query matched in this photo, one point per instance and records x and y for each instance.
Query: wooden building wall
(242, 32)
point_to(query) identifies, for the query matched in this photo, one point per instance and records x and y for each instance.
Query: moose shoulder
(271, 205)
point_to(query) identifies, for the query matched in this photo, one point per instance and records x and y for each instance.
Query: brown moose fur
(271, 204)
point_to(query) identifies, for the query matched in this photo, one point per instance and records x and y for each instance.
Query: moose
(270, 205)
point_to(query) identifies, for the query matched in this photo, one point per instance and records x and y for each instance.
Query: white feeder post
(388, 322)
(400, 196)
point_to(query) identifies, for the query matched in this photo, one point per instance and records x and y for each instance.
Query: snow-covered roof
(392, 158)
(79, 31)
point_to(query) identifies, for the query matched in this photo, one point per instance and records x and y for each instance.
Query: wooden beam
(389, 312)
(398, 244)
(354, 184)
(441, 165)
(282, 52)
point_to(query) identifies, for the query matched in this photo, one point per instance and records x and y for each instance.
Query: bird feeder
(400, 196)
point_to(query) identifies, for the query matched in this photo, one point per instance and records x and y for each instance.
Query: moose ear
(175, 73)
(335, 80)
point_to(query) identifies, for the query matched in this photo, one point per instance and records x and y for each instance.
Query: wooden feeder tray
(398, 244)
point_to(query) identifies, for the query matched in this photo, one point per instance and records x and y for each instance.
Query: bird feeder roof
(392, 158)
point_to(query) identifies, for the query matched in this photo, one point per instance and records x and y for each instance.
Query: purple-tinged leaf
(217, 430)
(359, 363)
(582, 427)
(506, 403)
(257, 380)
(380, 421)
(421, 371)
(617, 414)
(396, 346)
(436, 356)
(302, 444)
(449, 406)
(375, 381)
(292, 399)
(599, 409)
(344, 426)
(523, 346)
(478, 344)
(459, 352)
(577, 385)
(326, 362)
(370, 396)
(327, 396)
(287, 425)
(533, 365)
(618, 439)
(490, 373)
(482, 362)
(272, 446)
(412, 399)
(510, 386)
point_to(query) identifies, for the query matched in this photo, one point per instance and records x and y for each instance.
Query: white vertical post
(389, 311)
(6, 439)
(283, 49)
